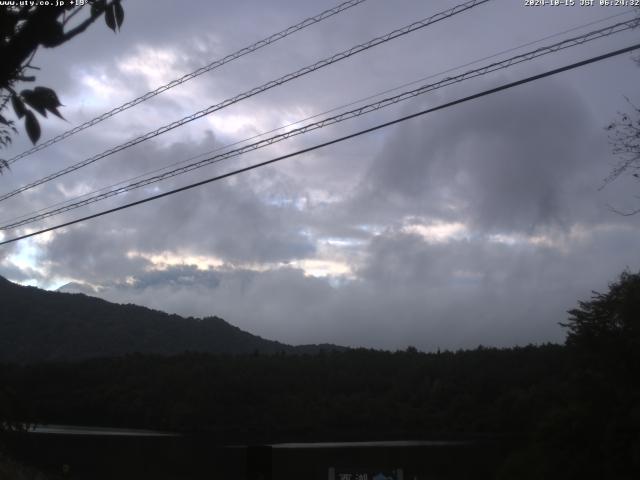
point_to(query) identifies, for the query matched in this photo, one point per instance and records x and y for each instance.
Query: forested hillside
(565, 411)
(38, 326)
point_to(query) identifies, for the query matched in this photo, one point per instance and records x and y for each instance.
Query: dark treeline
(359, 394)
(570, 411)
(534, 396)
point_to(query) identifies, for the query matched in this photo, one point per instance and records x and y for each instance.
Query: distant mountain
(38, 325)
(77, 287)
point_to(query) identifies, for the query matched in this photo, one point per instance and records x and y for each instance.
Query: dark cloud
(83, 253)
(511, 163)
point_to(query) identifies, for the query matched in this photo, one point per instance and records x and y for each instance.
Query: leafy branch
(23, 29)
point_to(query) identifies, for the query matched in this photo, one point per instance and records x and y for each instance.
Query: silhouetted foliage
(604, 340)
(355, 394)
(625, 141)
(24, 28)
(624, 136)
(570, 412)
(609, 322)
(595, 431)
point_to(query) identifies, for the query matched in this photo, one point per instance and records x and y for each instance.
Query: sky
(479, 224)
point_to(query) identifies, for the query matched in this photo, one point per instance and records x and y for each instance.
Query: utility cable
(491, 91)
(185, 78)
(568, 43)
(271, 84)
(311, 117)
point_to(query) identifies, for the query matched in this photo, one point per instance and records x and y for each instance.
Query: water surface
(97, 431)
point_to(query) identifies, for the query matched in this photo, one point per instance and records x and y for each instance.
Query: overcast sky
(479, 224)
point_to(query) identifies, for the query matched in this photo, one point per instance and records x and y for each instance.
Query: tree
(609, 320)
(23, 29)
(604, 342)
(625, 142)
(604, 332)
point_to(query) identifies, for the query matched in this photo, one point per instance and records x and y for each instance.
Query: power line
(185, 78)
(267, 86)
(336, 140)
(365, 109)
(340, 107)
(489, 57)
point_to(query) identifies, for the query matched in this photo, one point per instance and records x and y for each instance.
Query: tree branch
(72, 14)
(629, 213)
(77, 30)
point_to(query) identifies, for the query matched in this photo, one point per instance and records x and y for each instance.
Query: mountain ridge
(38, 325)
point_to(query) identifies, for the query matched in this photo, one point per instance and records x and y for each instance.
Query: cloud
(408, 290)
(509, 163)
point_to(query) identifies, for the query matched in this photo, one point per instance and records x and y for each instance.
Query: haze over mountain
(39, 325)
(78, 287)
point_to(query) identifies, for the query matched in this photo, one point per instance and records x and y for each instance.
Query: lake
(96, 453)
